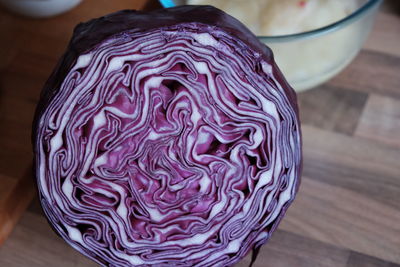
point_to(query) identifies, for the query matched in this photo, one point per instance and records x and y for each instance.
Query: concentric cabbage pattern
(172, 147)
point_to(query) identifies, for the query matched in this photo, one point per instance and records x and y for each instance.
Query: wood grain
(384, 37)
(364, 166)
(289, 249)
(380, 120)
(372, 72)
(361, 260)
(347, 212)
(15, 196)
(391, 6)
(345, 219)
(332, 108)
(33, 243)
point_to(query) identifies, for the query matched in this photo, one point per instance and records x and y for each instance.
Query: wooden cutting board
(15, 195)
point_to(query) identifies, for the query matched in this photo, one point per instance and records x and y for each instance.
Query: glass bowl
(311, 58)
(39, 8)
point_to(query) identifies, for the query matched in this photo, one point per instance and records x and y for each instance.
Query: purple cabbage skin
(167, 138)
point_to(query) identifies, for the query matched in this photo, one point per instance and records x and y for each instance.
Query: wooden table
(347, 212)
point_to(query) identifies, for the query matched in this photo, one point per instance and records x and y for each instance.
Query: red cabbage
(167, 138)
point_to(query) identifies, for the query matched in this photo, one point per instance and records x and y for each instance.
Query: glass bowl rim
(360, 12)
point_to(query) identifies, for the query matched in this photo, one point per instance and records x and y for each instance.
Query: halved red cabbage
(167, 138)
